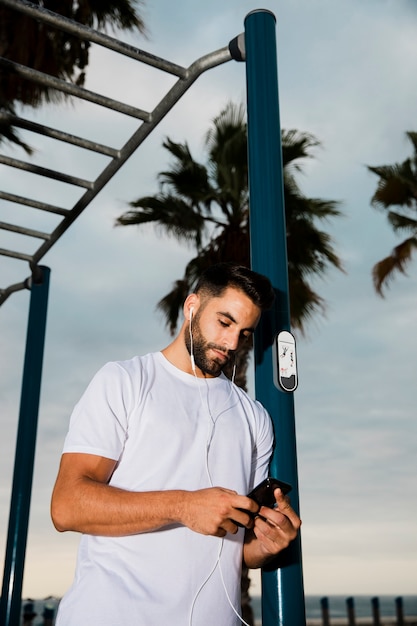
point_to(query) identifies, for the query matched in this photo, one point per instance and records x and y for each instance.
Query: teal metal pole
(11, 595)
(282, 585)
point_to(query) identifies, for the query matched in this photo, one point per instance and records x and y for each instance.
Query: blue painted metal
(10, 604)
(283, 601)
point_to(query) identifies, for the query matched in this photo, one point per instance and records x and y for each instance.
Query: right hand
(216, 511)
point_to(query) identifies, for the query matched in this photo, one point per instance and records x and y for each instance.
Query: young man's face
(219, 328)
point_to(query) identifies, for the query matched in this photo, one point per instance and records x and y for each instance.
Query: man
(160, 449)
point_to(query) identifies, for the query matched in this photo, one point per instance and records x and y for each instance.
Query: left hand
(273, 531)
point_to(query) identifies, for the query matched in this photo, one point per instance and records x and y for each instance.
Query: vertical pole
(325, 613)
(11, 595)
(399, 611)
(375, 611)
(350, 605)
(282, 586)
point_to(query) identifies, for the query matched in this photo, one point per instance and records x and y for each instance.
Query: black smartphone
(263, 494)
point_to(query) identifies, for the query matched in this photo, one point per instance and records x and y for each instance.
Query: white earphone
(191, 341)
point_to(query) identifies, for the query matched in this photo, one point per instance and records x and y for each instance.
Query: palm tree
(397, 186)
(207, 205)
(39, 46)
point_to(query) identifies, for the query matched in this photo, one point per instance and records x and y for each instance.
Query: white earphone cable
(212, 424)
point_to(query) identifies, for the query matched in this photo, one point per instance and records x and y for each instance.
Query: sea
(337, 607)
(362, 606)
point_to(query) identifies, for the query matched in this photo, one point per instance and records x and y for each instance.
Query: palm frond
(8, 132)
(397, 186)
(187, 177)
(402, 222)
(169, 213)
(412, 136)
(383, 272)
(305, 302)
(113, 14)
(296, 146)
(226, 143)
(225, 127)
(171, 304)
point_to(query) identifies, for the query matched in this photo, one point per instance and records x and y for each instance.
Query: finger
(286, 520)
(246, 504)
(284, 507)
(271, 537)
(274, 518)
(281, 498)
(278, 528)
(242, 518)
(229, 526)
(231, 491)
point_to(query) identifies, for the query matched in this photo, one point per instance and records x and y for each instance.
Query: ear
(191, 305)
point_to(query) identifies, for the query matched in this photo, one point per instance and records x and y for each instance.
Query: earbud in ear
(191, 340)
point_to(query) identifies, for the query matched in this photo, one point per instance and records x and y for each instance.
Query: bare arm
(273, 531)
(83, 501)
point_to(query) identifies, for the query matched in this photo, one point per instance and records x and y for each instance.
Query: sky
(346, 73)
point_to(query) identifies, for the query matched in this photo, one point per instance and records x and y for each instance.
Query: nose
(232, 342)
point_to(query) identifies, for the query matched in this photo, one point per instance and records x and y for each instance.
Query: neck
(177, 354)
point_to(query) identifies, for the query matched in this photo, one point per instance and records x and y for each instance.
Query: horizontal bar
(47, 131)
(5, 293)
(43, 171)
(88, 34)
(20, 230)
(16, 255)
(34, 204)
(61, 85)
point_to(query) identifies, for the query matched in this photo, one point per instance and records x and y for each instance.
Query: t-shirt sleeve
(264, 445)
(99, 421)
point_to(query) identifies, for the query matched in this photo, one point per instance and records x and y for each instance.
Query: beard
(200, 350)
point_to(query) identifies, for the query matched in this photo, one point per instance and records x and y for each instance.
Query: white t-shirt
(167, 430)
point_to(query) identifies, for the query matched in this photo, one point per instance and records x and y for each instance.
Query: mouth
(219, 354)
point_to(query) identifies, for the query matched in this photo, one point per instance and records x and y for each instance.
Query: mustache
(222, 349)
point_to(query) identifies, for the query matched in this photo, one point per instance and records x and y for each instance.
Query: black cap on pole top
(237, 48)
(261, 11)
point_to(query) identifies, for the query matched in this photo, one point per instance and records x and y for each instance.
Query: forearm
(99, 509)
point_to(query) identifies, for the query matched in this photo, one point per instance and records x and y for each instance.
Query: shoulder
(129, 368)
(246, 399)
(120, 377)
(253, 407)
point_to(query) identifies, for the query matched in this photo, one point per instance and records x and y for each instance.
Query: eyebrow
(232, 319)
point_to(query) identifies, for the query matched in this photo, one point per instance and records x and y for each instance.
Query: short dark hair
(217, 278)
